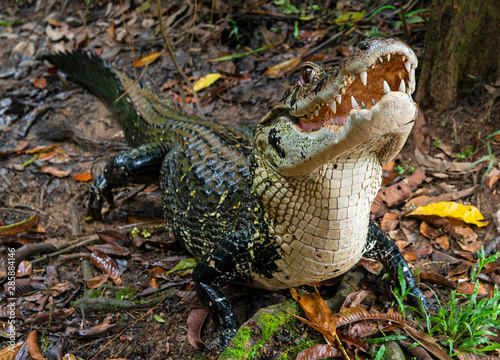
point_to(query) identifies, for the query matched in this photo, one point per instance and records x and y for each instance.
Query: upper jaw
(376, 67)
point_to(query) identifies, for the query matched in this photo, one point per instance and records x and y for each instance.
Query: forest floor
(53, 135)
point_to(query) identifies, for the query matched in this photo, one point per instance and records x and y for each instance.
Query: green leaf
(143, 7)
(351, 16)
(184, 264)
(159, 319)
(286, 7)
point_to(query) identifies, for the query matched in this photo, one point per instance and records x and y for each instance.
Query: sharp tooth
(316, 112)
(353, 102)
(388, 57)
(411, 85)
(408, 90)
(373, 102)
(402, 86)
(345, 82)
(333, 107)
(408, 66)
(363, 105)
(412, 75)
(338, 98)
(310, 116)
(363, 76)
(404, 58)
(342, 91)
(386, 87)
(410, 97)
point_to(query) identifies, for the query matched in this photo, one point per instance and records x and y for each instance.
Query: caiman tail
(143, 115)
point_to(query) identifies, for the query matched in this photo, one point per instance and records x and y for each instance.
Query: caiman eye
(307, 73)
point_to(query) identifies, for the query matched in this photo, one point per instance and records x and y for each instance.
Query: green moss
(125, 293)
(238, 349)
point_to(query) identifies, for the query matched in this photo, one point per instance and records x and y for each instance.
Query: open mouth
(390, 72)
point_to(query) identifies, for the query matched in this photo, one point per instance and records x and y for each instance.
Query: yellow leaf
(467, 213)
(205, 81)
(146, 59)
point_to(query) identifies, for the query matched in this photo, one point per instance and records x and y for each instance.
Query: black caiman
(288, 208)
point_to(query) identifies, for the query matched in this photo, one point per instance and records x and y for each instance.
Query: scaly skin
(292, 207)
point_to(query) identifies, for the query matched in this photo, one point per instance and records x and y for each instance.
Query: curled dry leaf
(320, 315)
(10, 351)
(429, 231)
(146, 59)
(389, 222)
(18, 228)
(55, 171)
(113, 237)
(321, 351)
(83, 177)
(195, 322)
(398, 192)
(96, 330)
(110, 249)
(443, 165)
(96, 281)
(443, 242)
(283, 68)
(490, 179)
(107, 266)
(24, 269)
(33, 348)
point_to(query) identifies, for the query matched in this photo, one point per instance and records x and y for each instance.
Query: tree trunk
(462, 38)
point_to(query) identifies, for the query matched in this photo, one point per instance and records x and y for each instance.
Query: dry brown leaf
(321, 351)
(194, 323)
(107, 266)
(83, 177)
(443, 242)
(96, 281)
(18, 228)
(429, 231)
(320, 315)
(443, 165)
(55, 171)
(398, 192)
(33, 348)
(24, 269)
(420, 134)
(111, 249)
(10, 351)
(468, 288)
(490, 179)
(389, 222)
(283, 68)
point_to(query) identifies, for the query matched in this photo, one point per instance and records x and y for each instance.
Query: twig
(403, 22)
(89, 240)
(180, 73)
(133, 323)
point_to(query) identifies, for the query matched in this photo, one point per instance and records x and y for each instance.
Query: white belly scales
(321, 222)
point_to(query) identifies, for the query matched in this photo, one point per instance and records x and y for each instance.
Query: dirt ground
(38, 108)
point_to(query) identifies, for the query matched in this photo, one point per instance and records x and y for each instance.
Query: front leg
(141, 165)
(380, 247)
(215, 269)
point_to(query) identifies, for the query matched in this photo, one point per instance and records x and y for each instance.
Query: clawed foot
(99, 191)
(223, 339)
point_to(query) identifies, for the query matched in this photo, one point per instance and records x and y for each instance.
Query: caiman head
(364, 104)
